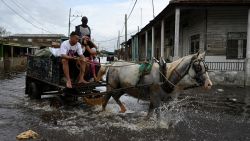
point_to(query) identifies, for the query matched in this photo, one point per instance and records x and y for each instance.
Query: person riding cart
(84, 32)
(71, 50)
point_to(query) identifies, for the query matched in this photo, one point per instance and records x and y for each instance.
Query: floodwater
(220, 114)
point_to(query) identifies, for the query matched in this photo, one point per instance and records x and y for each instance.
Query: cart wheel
(57, 102)
(34, 92)
(27, 82)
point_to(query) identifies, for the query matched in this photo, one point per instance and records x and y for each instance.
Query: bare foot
(95, 78)
(68, 84)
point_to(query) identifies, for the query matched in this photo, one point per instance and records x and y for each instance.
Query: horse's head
(193, 68)
(198, 70)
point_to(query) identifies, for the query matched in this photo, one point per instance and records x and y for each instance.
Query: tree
(4, 32)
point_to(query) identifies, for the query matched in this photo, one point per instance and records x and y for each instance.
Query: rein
(169, 86)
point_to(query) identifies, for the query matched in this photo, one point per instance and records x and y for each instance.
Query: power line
(129, 6)
(24, 17)
(132, 9)
(22, 8)
(115, 37)
(153, 8)
(129, 14)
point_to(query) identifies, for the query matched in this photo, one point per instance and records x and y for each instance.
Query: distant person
(70, 50)
(84, 32)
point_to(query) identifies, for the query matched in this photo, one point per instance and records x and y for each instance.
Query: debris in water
(220, 90)
(27, 135)
(234, 99)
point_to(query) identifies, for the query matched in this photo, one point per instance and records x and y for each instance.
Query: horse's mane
(174, 64)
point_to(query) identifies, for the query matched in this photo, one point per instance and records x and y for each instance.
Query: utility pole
(141, 17)
(126, 52)
(76, 16)
(126, 28)
(153, 8)
(118, 40)
(69, 21)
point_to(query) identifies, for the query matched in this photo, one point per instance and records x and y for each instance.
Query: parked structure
(15, 48)
(219, 27)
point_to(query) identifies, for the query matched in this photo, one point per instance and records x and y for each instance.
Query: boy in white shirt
(70, 50)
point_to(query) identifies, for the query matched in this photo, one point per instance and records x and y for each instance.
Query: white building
(219, 27)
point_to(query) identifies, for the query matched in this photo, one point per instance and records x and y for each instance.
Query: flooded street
(220, 114)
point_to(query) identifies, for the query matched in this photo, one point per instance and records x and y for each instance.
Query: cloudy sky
(106, 17)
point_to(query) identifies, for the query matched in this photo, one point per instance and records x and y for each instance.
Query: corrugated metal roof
(210, 1)
(38, 35)
(174, 3)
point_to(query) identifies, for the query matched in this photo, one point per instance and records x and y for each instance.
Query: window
(236, 45)
(195, 44)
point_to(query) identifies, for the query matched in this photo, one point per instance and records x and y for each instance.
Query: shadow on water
(220, 114)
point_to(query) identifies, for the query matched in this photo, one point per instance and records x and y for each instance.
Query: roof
(39, 35)
(175, 3)
(210, 1)
(17, 45)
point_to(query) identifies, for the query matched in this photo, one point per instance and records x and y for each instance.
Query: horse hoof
(147, 117)
(123, 110)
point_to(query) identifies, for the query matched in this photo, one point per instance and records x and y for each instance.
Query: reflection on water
(220, 114)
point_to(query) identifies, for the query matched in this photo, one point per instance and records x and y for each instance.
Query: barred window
(236, 45)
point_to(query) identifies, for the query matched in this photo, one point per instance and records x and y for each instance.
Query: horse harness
(168, 86)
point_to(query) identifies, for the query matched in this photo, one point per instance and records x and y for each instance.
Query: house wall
(157, 46)
(169, 39)
(213, 26)
(190, 26)
(13, 64)
(220, 21)
(35, 41)
(1, 66)
(1, 52)
(142, 47)
(149, 50)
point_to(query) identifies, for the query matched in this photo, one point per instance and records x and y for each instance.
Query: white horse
(126, 74)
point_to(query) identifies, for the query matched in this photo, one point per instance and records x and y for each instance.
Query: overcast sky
(106, 17)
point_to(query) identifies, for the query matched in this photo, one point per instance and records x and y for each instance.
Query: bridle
(197, 66)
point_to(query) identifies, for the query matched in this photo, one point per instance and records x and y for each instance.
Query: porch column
(146, 45)
(177, 33)
(137, 55)
(27, 51)
(153, 42)
(2, 53)
(12, 52)
(247, 60)
(132, 48)
(162, 38)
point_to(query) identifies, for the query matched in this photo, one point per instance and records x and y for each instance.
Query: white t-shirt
(67, 49)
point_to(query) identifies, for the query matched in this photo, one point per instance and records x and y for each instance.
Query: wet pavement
(222, 113)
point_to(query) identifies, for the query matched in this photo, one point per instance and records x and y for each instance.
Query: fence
(226, 66)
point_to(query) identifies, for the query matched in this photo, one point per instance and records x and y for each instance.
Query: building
(15, 48)
(219, 27)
